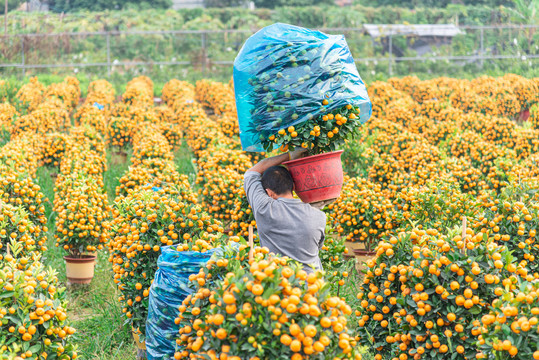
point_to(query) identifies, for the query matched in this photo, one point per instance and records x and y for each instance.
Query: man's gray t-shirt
(287, 227)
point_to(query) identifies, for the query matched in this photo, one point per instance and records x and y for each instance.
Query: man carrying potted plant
(286, 226)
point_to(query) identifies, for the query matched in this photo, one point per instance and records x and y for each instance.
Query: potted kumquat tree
(306, 94)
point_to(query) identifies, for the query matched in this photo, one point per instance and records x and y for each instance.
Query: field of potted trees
(439, 190)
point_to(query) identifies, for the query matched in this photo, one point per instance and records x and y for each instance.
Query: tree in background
(100, 5)
(432, 3)
(11, 5)
(527, 11)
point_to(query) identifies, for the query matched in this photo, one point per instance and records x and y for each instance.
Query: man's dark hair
(278, 179)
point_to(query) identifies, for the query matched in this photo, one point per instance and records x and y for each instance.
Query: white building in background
(183, 4)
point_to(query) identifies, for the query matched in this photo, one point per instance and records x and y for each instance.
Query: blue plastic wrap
(283, 73)
(169, 288)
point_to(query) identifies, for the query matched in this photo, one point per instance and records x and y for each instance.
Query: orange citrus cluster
(153, 165)
(48, 116)
(262, 308)
(30, 94)
(437, 152)
(32, 306)
(176, 90)
(80, 200)
(144, 221)
(16, 227)
(33, 315)
(219, 158)
(119, 132)
(28, 221)
(150, 147)
(67, 91)
(22, 154)
(220, 99)
(512, 219)
(91, 115)
(155, 206)
(139, 91)
(101, 92)
(515, 315)
(7, 113)
(95, 111)
(425, 130)
(53, 148)
(362, 213)
(534, 117)
(425, 293)
(18, 187)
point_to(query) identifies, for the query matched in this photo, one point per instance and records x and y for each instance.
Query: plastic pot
(362, 256)
(80, 270)
(318, 177)
(524, 115)
(141, 345)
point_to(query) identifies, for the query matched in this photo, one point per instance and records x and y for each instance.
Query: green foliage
(8, 89)
(526, 11)
(436, 3)
(103, 19)
(100, 5)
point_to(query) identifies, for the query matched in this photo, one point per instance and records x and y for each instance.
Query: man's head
(277, 182)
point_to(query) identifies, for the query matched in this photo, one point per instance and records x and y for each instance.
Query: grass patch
(46, 183)
(183, 160)
(349, 292)
(95, 311)
(117, 166)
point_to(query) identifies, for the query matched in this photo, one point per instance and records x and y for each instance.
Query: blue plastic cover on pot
(169, 288)
(283, 73)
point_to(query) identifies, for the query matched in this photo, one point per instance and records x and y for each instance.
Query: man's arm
(265, 164)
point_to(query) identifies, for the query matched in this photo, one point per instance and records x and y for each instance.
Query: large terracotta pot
(318, 177)
(80, 270)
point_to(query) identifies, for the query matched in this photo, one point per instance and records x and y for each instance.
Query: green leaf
(475, 310)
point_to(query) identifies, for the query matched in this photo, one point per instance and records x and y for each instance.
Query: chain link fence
(515, 47)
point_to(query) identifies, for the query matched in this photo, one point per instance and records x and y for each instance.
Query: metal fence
(206, 50)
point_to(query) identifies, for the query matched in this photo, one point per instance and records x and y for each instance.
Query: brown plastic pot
(524, 115)
(119, 157)
(80, 270)
(141, 345)
(362, 256)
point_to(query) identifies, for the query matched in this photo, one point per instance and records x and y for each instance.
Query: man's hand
(297, 154)
(321, 204)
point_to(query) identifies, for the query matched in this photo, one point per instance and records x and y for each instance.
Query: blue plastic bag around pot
(169, 288)
(283, 73)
